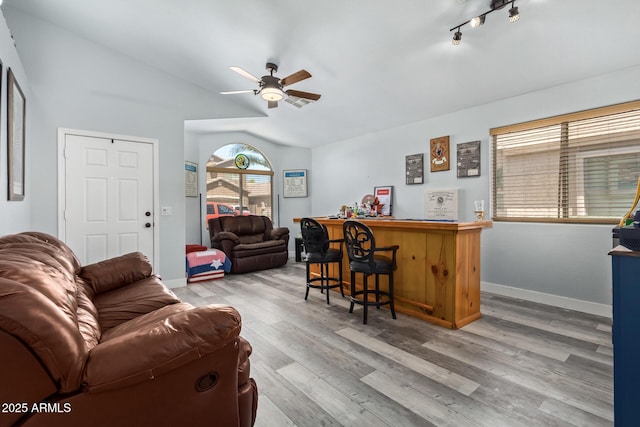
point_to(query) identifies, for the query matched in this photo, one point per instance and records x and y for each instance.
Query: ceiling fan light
(271, 94)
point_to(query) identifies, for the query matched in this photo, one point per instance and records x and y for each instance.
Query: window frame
(561, 120)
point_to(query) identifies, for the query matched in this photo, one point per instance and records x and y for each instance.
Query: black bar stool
(315, 239)
(364, 258)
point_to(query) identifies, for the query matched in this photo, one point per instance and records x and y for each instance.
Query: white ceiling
(377, 63)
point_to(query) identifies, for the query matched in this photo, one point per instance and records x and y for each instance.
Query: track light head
(477, 21)
(457, 37)
(514, 14)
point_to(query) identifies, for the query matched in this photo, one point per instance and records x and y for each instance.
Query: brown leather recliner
(108, 344)
(250, 242)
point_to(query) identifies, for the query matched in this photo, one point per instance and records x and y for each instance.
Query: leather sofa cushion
(35, 265)
(50, 333)
(244, 225)
(249, 239)
(260, 248)
(142, 321)
(151, 346)
(58, 249)
(115, 272)
(123, 304)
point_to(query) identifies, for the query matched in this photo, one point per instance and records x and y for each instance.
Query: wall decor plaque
(468, 159)
(439, 149)
(414, 169)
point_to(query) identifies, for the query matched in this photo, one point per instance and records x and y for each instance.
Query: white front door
(108, 197)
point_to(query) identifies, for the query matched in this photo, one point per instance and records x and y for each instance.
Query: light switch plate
(165, 210)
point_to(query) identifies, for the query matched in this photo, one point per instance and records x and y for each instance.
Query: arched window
(239, 182)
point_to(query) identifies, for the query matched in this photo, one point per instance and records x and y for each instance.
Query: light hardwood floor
(522, 364)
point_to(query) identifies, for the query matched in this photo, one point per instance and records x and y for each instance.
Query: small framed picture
(295, 183)
(439, 149)
(414, 168)
(468, 159)
(16, 109)
(385, 198)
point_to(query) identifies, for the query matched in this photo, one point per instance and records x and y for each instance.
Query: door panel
(108, 191)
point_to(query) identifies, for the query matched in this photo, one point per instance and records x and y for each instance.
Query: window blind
(580, 167)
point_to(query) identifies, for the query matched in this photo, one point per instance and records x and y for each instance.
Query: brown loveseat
(250, 242)
(108, 344)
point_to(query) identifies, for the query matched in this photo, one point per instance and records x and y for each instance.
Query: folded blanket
(207, 265)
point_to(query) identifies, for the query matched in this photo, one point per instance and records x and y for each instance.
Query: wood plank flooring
(522, 364)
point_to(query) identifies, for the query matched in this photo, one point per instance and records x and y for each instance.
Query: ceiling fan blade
(245, 73)
(233, 92)
(295, 77)
(272, 104)
(306, 95)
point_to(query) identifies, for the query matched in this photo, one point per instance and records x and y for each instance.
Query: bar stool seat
(316, 242)
(365, 258)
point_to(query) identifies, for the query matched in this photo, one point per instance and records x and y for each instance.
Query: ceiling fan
(271, 88)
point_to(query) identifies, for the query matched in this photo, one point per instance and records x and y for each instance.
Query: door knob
(148, 225)
(147, 213)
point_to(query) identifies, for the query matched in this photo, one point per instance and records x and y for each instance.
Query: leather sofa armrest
(116, 272)
(225, 241)
(160, 347)
(226, 235)
(278, 233)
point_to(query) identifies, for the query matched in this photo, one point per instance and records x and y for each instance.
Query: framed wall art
(439, 149)
(295, 183)
(190, 179)
(16, 110)
(385, 197)
(414, 169)
(468, 159)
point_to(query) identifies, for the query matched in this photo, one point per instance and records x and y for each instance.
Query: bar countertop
(409, 223)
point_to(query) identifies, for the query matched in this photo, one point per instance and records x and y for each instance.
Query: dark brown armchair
(250, 242)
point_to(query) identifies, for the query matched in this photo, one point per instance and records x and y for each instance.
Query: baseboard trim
(604, 310)
(175, 283)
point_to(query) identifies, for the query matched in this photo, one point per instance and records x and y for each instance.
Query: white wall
(80, 85)
(15, 216)
(281, 158)
(565, 261)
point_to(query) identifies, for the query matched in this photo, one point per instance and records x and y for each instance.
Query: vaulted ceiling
(377, 63)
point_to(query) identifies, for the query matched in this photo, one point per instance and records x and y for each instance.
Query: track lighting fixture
(477, 21)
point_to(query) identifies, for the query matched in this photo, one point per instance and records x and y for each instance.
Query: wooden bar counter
(438, 275)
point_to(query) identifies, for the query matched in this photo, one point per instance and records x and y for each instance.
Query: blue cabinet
(626, 335)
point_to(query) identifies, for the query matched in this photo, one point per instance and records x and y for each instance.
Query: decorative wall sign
(468, 159)
(295, 183)
(242, 161)
(439, 148)
(414, 169)
(385, 197)
(190, 179)
(16, 110)
(441, 205)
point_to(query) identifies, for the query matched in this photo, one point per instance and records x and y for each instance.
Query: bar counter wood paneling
(438, 275)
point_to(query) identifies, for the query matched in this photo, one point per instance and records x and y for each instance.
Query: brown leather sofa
(250, 242)
(108, 344)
